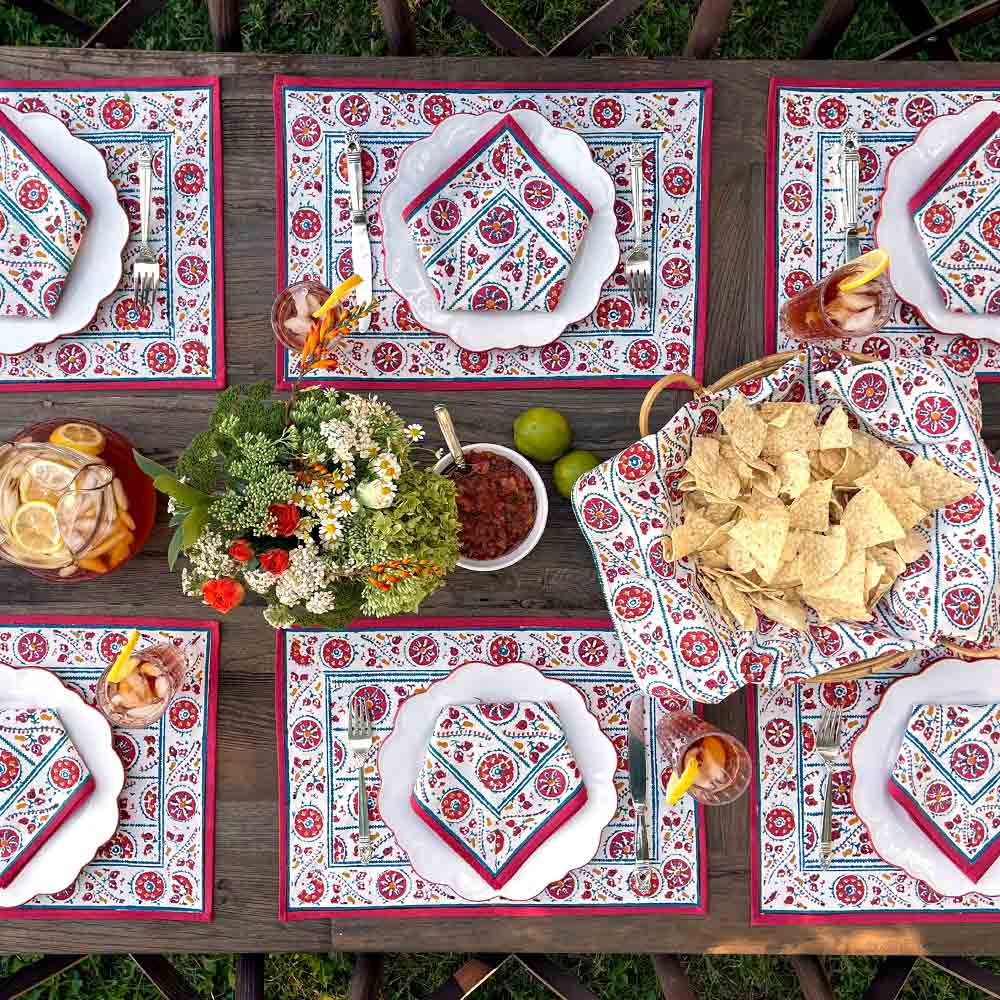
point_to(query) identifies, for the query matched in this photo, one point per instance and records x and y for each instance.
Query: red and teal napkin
(43, 780)
(947, 777)
(42, 221)
(497, 781)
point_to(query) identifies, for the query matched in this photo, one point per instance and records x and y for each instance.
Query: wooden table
(558, 578)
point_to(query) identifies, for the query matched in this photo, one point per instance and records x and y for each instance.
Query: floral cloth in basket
(674, 637)
(947, 778)
(42, 221)
(499, 229)
(957, 213)
(497, 781)
(43, 779)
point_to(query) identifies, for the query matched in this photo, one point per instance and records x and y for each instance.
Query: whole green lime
(542, 434)
(570, 467)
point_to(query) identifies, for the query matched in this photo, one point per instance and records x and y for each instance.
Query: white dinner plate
(896, 232)
(402, 754)
(895, 836)
(97, 268)
(76, 842)
(595, 260)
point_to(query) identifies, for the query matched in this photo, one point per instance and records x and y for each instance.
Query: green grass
(760, 29)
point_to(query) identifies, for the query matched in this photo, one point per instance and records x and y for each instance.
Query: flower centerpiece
(316, 504)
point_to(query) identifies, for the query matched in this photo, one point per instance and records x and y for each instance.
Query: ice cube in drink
(292, 312)
(151, 678)
(723, 762)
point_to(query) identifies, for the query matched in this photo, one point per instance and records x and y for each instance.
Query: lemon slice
(123, 665)
(80, 437)
(678, 785)
(871, 265)
(44, 479)
(715, 750)
(344, 288)
(35, 527)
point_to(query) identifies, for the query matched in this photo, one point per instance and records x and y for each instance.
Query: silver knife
(361, 248)
(637, 786)
(850, 165)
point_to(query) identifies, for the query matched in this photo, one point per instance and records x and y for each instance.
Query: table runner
(788, 883)
(387, 660)
(804, 235)
(615, 346)
(158, 865)
(178, 341)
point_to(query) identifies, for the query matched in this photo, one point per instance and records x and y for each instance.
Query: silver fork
(638, 271)
(146, 267)
(828, 747)
(359, 741)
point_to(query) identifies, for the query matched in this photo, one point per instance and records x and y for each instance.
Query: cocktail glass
(725, 764)
(822, 311)
(292, 312)
(143, 696)
(66, 515)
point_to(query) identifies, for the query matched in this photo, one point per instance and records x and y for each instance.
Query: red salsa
(496, 506)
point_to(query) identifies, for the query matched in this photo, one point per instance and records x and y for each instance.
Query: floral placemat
(618, 345)
(320, 672)
(177, 341)
(788, 882)
(804, 216)
(158, 865)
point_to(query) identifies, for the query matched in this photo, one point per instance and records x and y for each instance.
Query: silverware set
(146, 267)
(638, 269)
(637, 782)
(850, 167)
(361, 248)
(828, 747)
(360, 736)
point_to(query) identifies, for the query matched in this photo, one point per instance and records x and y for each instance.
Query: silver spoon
(451, 440)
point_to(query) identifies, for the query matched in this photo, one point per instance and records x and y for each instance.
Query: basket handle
(676, 380)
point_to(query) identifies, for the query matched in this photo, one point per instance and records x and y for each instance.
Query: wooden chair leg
(890, 978)
(32, 976)
(980, 14)
(224, 22)
(812, 977)
(365, 976)
(829, 28)
(397, 23)
(968, 972)
(469, 977)
(549, 974)
(917, 18)
(595, 27)
(673, 979)
(49, 13)
(164, 977)
(249, 977)
(505, 36)
(117, 29)
(709, 24)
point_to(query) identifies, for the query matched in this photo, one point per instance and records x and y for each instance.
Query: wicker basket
(759, 369)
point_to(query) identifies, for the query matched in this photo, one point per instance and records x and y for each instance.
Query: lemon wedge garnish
(871, 265)
(44, 479)
(678, 784)
(122, 666)
(79, 437)
(343, 289)
(35, 528)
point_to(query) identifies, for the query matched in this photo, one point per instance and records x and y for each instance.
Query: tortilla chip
(821, 556)
(903, 508)
(938, 486)
(847, 586)
(739, 558)
(890, 471)
(811, 511)
(836, 432)
(764, 538)
(744, 425)
(795, 473)
(869, 520)
(690, 535)
(737, 604)
(912, 547)
(799, 432)
(788, 611)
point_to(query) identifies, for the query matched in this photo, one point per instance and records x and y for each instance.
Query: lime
(542, 434)
(570, 467)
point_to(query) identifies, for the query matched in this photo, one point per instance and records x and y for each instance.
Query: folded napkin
(947, 777)
(43, 779)
(496, 782)
(42, 220)
(499, 229)
(957, 213)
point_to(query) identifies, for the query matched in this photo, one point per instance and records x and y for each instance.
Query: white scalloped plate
(895, 836)
(60, 859)
(97, 268)
(595, 261)
(402, 753)
(896, 232)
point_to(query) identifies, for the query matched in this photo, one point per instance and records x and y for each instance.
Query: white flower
(321, 602)
(377, 494)
(330, 530)
(348, 470)
(259, 580)
(317, 500)
(345, 505)
(414, 432)
(278, 617)
(337, 482)
(387, 466)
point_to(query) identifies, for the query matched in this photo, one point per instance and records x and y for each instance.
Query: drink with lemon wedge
(136, 689)
(708, 764)
(853, 301)
(73, 504)
(294, 310)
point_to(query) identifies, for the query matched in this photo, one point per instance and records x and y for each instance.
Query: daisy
(385, 490)
(344, 506)
(318, 500)
(330, 530)
(387, 466)
(347, 470)
(414, 432)
(337, 482)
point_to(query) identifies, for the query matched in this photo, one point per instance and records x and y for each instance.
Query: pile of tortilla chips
(782, 513)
